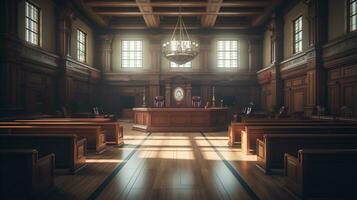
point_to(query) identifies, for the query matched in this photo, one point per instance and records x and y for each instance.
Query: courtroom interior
(178, 99)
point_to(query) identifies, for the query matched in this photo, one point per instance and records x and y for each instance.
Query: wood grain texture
(178, 165)
(180, 119)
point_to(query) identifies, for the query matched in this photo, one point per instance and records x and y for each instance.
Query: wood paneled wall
(324, 73)
(42, 78)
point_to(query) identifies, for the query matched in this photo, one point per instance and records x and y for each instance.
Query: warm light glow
(181, 147)
(180, 49)
(103, 161)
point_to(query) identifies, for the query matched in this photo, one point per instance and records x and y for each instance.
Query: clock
(179, 94)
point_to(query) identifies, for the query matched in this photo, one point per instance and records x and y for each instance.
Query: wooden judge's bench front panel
(180, 119)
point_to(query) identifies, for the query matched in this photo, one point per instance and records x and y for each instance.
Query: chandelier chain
(180, 49)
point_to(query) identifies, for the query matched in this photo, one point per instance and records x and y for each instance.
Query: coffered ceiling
(162, 14)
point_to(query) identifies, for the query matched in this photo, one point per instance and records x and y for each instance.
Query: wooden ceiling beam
(258, 3)
(151, 20)
(172, 26)
(228, 14)
(97, 19)
(213, 6)
(259, 20)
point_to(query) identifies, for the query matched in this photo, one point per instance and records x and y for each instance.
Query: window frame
(349, 15)
(81, 43)
(38, 23)
(228, 51)
(296, 32)
(135, 51)
(272, 50)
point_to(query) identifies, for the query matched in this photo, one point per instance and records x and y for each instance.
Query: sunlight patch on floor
(103, 161)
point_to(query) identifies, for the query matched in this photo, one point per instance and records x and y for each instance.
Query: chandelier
(180, 49)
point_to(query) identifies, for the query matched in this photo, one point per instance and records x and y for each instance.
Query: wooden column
(106, 41)
(64, 30)
(255, 54)
(168, 95)
(10, 78)
(155, 52)
(188, 95)
(154, 90)
(316, 77)
(206, 93)
(277, 45)
(204, 55)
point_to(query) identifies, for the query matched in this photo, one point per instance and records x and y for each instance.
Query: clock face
(179, 94)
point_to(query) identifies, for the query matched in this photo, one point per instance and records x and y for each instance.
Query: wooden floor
(169, 166)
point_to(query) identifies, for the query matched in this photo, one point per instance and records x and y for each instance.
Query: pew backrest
(70, 152)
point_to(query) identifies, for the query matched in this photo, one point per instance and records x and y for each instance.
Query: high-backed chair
(196, 101)
(159, 101)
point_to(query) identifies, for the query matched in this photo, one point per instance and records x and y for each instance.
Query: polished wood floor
(169, 166)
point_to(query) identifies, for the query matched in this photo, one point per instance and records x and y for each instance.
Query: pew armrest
(290, 165)
(44, 175)
(260, 149)
(81, 148)
(261, 156)
(119, 135)
(292, 173)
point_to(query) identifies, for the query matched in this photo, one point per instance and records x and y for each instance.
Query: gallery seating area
(303, 150)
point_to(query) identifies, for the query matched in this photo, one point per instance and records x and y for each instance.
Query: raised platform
(180, 119)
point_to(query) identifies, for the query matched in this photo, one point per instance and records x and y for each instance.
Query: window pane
(227, 53)
(81, 46)
(298, 35)
(132, 53)
(32, 18)
(353, 8)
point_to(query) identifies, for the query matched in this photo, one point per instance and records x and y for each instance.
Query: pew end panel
(234, 133)
(291, 171)
(80, 155)
(322, 173)
(45, 168)
(114, 133)
(24, 174)
(261, 155)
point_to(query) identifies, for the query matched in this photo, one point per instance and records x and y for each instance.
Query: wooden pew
(252, 133)
(23, 174)
(322, 173)
(271, 149)
(94, 134)
(70, 152)
(67, 120)
(234, 130)
(113, 131)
